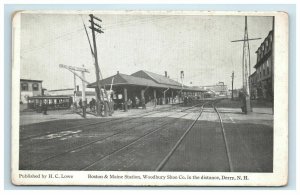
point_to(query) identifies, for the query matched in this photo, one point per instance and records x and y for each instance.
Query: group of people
(187, 99)
(92, 105)
(136, 103)
(108, 104)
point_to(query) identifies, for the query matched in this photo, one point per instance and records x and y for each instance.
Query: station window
(24, 86)
(35, 87)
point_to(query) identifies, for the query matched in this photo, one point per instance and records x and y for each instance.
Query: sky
(199, 45)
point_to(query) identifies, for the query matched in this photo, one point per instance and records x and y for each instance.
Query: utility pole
(246, 70)
(232, 78)
(97, 69)
(181, 77)
(74, 88)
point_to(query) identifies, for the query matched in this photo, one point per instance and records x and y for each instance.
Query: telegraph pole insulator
(96, 24)
(95, 29)
(92, 16)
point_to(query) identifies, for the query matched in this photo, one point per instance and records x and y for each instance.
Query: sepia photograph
(149, 98)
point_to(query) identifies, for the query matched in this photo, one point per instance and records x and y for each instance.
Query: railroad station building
(261, 81)
(154, 88)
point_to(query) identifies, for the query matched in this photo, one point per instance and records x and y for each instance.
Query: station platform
(261, 116)
(31, 117)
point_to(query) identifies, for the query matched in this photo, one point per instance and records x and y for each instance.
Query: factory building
(219, 89)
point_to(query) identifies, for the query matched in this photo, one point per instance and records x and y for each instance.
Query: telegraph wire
(109, 27)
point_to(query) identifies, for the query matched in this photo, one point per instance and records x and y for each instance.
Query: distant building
(67, 91)
(264, 70)
(29, 88)
(219, 89)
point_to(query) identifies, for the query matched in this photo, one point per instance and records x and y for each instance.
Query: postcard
(150, 98)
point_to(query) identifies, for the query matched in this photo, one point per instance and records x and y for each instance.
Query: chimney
(166, 74)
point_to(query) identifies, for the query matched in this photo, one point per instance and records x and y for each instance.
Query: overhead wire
(109, 27)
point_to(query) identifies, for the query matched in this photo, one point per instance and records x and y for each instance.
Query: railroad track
(73, 131)
(166, 159)
(119, 120)
(193, 139)
(140, 139)
(100, 122)
(80, 147)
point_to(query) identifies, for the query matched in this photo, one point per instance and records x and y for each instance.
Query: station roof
(156, 78)
(123, 79)
(143, 78)
(49, 97)
(31, 80)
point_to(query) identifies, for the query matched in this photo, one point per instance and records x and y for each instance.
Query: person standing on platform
(105, 106)
(45, 107)
(185, 100)
(93, 104)
(80, 103)
(242, 97)
(129, 103)
(143, 101)
(133, 103)
(110, 102)
(137, 102)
